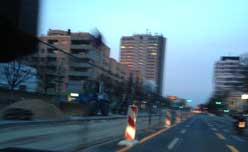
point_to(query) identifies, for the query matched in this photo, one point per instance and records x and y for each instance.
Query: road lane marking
(187, 126)
(152, 135)
(145, 139)
(183, 131)
(220, 136)
(232, 148)
(214, 129)
(173, 143)
(238, 138)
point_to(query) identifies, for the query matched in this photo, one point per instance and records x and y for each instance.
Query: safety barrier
(168, 118)
(74, 134)
(178, 116)
(131, 127)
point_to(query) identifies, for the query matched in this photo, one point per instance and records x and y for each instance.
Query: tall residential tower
(144, 54)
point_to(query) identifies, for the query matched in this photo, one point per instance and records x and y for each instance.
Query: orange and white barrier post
(178, 117)
(168, 119)
(131, 127)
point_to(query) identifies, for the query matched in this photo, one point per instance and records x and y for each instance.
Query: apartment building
(86, 62)
(228, 75)
(144, 55)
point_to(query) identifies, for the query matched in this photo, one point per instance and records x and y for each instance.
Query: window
(50, 50)
(78, 77)
(62, 59)
(52, 41)
(153, 53)
(77, 51)
(42, 50)
(51, 59)
(79, 69)
(85, 60)
(42, 59)
(80, 42)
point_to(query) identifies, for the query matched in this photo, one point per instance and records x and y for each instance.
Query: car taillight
(242, 124)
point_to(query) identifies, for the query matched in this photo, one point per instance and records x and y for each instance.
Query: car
(17, 114)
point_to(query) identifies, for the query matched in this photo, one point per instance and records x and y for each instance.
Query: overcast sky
(198, 32)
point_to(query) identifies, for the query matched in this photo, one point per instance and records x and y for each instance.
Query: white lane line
(220, 136)
(214, 129)
(210, 124)
(238, 138)
(183, 131)
(173, 143)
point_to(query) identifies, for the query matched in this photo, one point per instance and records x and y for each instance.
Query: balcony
(52, 55)
(52, 63)
(78, 73)
(82, 46)
(79, 64)
(83, 55)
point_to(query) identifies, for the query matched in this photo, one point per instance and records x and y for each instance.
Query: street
(202, 133)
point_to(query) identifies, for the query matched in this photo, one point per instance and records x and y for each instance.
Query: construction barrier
(168, 118)
(178, 117)
(131, 127)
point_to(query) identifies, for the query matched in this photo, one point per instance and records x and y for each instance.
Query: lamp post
(244, 97)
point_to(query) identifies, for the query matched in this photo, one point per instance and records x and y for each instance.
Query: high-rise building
(144, 55)
(228, 75)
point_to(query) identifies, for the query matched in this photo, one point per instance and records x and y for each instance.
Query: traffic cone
(131, 127)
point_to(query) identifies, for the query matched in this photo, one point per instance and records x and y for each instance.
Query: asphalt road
(200, 133)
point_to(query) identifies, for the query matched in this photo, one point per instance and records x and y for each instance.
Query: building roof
(224, 58)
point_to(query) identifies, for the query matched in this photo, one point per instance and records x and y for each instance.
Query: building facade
(86, 62)
(228, 75)
(235, 103)
(144, 55)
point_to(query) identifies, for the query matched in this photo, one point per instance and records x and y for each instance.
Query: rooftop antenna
(147, 31)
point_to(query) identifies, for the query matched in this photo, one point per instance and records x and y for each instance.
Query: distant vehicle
(240, 124)
(17, 114)
(197, 110)
(92, 101)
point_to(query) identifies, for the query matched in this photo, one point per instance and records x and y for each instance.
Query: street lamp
(218, 102)
(74, 94)
(244, 96)
(188, 100)
(226, 110)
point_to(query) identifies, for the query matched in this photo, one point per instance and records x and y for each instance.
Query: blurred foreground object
(19, 24)
(18, 27)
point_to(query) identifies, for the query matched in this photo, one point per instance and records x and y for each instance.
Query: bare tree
(15, 73)
(44, 82)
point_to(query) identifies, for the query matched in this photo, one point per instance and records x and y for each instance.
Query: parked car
(17, 114)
